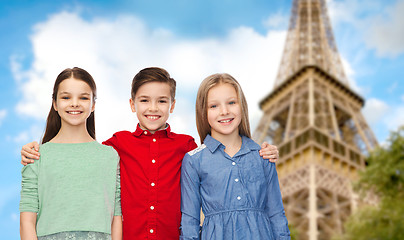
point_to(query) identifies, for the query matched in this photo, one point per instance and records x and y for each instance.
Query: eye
(143, 100)
(64, 97)
(232, 102)
(84, 98)
(213, 106)
(162, 101)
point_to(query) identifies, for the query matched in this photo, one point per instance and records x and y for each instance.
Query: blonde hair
(201, 107)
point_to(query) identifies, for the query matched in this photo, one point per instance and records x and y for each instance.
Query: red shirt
(150, 181)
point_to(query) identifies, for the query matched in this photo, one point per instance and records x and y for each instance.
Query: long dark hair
(53, 122)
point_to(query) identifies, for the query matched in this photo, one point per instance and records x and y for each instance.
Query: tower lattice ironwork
(315, 119)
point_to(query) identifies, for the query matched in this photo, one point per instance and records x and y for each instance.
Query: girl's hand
(269, 151)
(29, 153)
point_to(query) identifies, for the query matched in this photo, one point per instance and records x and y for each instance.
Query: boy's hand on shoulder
(29, 153)
(269, 152)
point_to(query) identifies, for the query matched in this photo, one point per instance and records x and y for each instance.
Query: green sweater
(73, 187)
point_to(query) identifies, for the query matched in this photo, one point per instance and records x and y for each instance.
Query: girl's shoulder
(197, 150)
(250, 143)
(92, 146)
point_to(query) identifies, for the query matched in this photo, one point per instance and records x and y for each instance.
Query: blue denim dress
(239, 195)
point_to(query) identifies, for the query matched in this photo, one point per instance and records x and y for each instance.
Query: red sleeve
(191, 144)
(113, 141)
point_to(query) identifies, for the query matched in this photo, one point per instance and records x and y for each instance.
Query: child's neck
(72, 135)
(231, 142)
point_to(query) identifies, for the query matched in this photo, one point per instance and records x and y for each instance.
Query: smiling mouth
(152, 117)
(226, 120)
(74, 112)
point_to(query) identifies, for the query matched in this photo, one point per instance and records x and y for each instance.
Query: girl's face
(74, 102)
(224, 111)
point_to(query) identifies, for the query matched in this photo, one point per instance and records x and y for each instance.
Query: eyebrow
(147, 96)
(84, 93)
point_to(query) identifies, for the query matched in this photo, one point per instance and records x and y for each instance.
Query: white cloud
(386, 31)
(378, 112)
(277, 21)
(380, 24)
(375, 110)
(3, 114)
(113, 51)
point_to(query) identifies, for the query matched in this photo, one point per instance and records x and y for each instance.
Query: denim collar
(247, 145)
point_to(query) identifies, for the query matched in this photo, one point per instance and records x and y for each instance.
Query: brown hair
(201, 107)
(153, 74)
(53, 122)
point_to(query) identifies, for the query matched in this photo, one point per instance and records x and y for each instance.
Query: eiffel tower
(315, 119)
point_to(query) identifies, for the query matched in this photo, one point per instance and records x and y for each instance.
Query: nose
(224, 110)
(74, 102)
(153, 106)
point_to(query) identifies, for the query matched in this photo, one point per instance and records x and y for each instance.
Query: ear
(93, 107)
(54, 106)
(172, 106)
(132, 105)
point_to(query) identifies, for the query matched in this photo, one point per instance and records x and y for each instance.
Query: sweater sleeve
(118, 211)
(29, 188)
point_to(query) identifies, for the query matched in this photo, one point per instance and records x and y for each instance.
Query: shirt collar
(166, 131)
(247, 145)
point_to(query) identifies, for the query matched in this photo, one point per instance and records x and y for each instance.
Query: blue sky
(113, 40)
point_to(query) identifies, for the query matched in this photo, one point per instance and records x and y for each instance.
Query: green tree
(294, 233)
(384, 177)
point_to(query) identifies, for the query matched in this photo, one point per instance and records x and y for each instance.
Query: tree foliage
(384, 177)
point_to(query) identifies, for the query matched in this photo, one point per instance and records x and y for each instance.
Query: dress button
(145, 132)
(236, 180)
(238, 198)
(151, 231)
(152, 207)
(154, 140)
(153, 161)
(233, 163)
(152, 184)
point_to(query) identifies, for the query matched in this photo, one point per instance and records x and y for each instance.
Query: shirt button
(152, 184)
(152, 207)
(238, 198)
(236, 180)
(153, 161)
(145, 132)
(151, 231)
(154, 140)
(233, 163)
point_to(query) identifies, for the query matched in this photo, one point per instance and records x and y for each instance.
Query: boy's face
(153, 105)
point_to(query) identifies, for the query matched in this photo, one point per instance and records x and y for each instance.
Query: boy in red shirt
(151, 160)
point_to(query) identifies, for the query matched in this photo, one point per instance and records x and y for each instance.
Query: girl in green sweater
(73, 192)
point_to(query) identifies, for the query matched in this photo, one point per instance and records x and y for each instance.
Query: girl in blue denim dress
(237, 189)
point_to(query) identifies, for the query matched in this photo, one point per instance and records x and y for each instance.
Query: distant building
(315, 119)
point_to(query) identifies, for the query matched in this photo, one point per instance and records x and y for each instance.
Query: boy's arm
(29, 152)
(269, 151)
(27, 226)
(274, 205)
(116, 228)
(190, 201)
